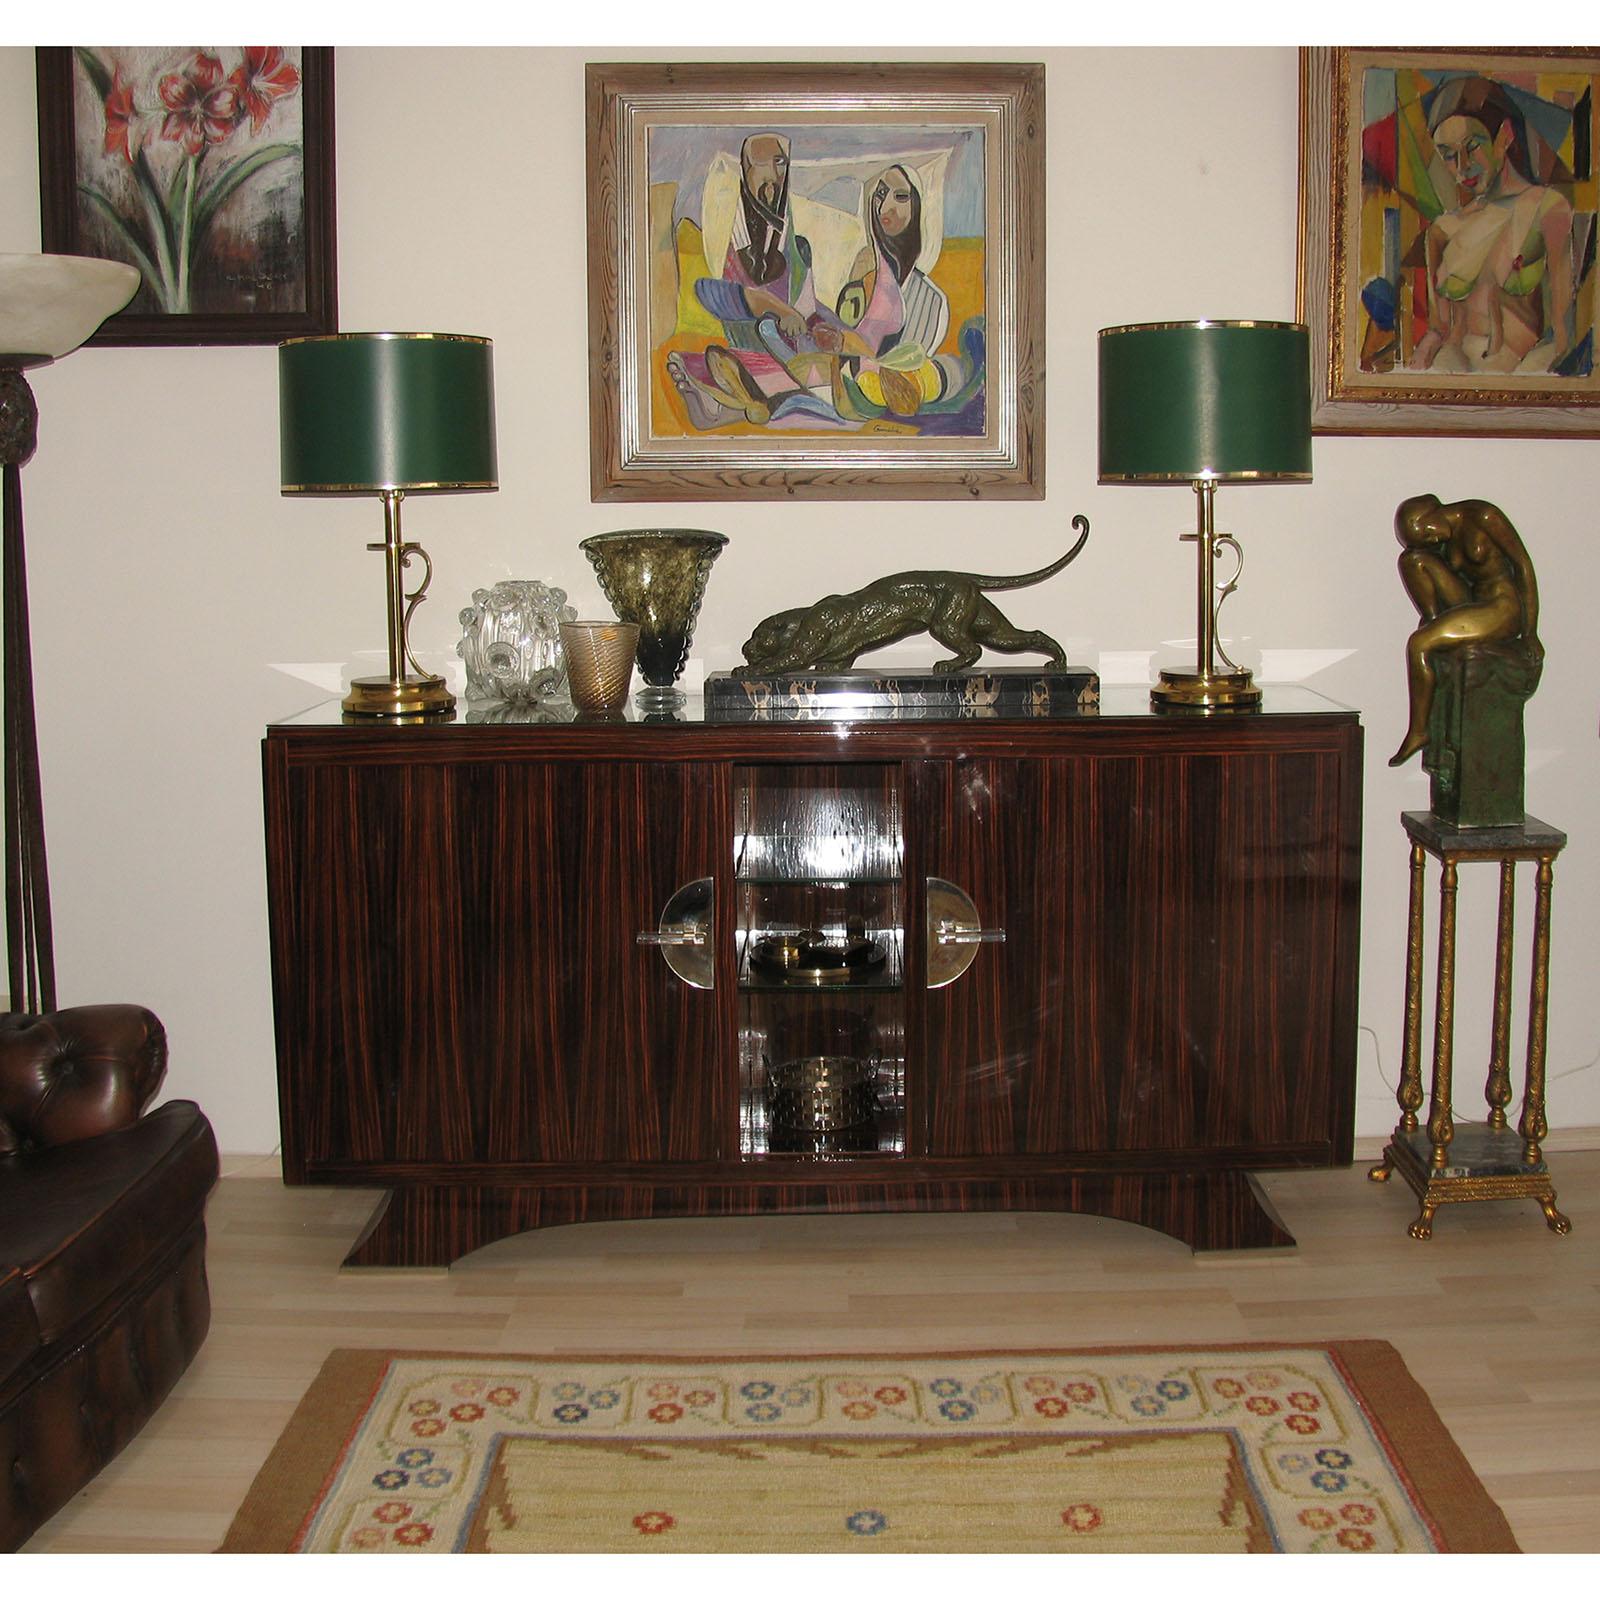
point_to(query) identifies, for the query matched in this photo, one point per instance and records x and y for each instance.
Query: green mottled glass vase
(657, 578)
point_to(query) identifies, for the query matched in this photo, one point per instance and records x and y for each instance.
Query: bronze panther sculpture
(828, 635)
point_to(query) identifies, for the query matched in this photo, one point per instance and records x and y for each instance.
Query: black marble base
(862, 693)
(1476, 1151)
(1525, 840)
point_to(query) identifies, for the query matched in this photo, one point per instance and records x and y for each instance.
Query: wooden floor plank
(1498, 1318)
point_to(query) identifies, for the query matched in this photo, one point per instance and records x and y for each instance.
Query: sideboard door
(1177, 970)
(461, 978)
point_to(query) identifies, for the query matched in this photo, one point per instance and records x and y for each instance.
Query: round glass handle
(686, 933)
(954, 930)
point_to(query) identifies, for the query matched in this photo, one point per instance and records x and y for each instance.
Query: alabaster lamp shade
(389, 414)
(49, 305)
(1205, 403)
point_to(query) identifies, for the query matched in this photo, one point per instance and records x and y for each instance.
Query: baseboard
(252, 1166)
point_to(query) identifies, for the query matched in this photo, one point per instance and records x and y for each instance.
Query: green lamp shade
(1184, 401)
(363, 412)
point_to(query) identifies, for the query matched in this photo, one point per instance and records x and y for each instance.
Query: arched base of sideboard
(427, 1225)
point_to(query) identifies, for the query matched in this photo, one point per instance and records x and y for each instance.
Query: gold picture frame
(816, 281)
(1417, 325)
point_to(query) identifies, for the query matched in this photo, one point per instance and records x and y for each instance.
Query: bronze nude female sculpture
(1469, 576)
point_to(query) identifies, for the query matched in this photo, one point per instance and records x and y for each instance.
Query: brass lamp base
(398, 697)
(1207, 691)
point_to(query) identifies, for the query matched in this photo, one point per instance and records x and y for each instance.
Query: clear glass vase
(657, 578)
(512, 642)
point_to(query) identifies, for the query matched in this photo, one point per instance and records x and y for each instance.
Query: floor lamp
(48, 306)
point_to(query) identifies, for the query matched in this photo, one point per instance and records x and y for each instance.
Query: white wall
(170, 582)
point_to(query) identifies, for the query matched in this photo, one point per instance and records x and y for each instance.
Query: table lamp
(389, 414)
(1205, 403)
(49, 304)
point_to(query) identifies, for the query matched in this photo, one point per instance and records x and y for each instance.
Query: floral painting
(191, 162)
(816, 279)
(1461, 218)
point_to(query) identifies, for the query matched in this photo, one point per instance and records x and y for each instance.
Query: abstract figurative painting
(1477, 221)
(827, 282)
(817, 279)
(1463, 201)
(206, 168)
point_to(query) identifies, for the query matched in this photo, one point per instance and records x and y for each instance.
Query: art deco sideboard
(533, 974)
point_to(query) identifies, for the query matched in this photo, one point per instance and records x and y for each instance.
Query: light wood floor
(1496, 1316)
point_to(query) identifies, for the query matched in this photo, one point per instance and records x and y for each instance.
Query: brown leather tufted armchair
(103, 1296)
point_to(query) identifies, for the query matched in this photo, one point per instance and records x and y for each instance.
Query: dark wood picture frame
(144, 322)
(648, 442)
(1345, 295)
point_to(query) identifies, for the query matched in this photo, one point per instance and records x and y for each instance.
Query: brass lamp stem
(1205, 688)
(394, 573)
(402, 693)
(1205, 493)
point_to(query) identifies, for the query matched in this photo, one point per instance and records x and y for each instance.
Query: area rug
(1212, 1448)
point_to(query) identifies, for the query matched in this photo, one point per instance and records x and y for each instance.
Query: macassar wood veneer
(1154, 990)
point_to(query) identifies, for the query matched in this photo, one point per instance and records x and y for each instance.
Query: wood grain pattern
(1167, 980)
(427, 1226)
(464, 982)
(464, 1015)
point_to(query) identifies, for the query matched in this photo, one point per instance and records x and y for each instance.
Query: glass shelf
(1119, 702)
(800, 986)
(889, 974)
(773, 881)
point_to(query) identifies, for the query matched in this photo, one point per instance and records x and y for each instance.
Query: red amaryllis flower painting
(264, 76)
(179, 204)
(202, 109)
(122, 121)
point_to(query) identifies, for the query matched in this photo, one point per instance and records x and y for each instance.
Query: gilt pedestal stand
(1489, 1161)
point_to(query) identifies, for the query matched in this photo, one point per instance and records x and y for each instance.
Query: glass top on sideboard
(1121, 701)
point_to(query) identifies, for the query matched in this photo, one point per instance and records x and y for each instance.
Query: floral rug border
(1451, 1506)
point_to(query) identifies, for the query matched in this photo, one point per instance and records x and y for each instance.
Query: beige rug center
(840, 1495)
